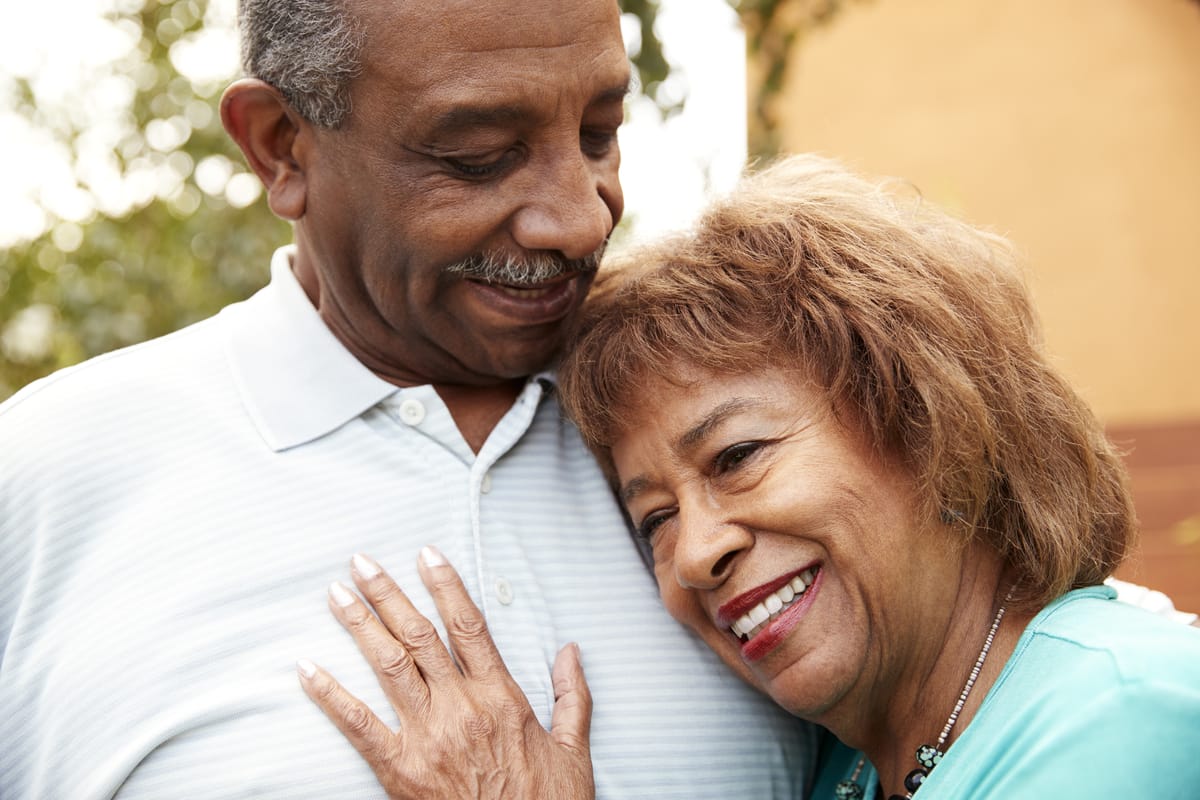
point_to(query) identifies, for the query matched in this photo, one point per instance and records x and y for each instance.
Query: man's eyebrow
(615, 94)
(468, 117)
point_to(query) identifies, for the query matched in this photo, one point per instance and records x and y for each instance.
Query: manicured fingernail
(306, 667)
(365, 567)
(340, 594)
(432, 557)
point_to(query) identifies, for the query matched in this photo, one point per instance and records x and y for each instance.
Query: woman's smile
(777, 628)
(762, 617)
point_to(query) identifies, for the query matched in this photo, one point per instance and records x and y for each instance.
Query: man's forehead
(483, 25)
(533, 60)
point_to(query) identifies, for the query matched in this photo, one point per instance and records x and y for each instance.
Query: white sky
(67, 49)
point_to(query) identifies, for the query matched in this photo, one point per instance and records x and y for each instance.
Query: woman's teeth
(761, 615)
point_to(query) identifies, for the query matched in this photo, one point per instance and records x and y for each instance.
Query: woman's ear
(266, 128)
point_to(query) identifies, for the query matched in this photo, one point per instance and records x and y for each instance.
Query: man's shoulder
(176, 371)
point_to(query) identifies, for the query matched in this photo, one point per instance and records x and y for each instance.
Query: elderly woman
(829, 415)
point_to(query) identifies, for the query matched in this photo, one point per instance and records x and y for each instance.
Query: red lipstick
(777, 629)
(734, 609)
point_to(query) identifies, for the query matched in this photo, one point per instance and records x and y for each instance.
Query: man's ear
(266, 128)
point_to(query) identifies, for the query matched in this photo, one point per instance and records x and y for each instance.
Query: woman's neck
(914, 708)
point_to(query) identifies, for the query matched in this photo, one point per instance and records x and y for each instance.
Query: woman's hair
(917, 325)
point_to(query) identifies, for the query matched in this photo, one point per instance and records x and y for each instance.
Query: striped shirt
(170, 515)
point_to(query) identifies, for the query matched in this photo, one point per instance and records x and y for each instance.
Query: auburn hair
(917, 325)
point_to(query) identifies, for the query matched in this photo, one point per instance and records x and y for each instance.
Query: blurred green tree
(196, 234)
(195, 238)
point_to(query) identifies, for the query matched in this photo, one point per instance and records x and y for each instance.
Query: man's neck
(477, 410)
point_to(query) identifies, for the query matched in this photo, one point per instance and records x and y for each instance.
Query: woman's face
(791, 548)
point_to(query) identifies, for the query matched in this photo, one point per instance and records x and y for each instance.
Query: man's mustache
(526, 270)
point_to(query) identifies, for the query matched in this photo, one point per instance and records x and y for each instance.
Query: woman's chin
(805, 689)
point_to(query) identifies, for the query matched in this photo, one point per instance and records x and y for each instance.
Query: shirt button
(504, 591)
(485, 485)
(412, 411)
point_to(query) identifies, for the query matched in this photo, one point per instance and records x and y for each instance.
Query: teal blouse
(1099, 699)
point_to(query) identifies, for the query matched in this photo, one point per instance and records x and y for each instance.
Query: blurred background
(1072, 127)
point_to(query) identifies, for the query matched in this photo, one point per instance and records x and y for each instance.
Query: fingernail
(432, 557)
(365, 567)
(306, 667)
(340, 594)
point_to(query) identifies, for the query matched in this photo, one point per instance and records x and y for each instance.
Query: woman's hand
(466, 729)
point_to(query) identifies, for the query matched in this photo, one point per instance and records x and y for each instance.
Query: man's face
(480, 128)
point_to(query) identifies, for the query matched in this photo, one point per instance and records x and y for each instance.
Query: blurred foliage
(773, 29)
(188, 244)
(85, 288)
(648, 59)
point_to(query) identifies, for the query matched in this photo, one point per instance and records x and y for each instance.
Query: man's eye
(734, 456)
(487, 169)
(597, 142)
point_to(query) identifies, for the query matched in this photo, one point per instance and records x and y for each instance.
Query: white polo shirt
(171, 515)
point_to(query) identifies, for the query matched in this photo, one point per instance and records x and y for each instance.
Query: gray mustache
(526, 270)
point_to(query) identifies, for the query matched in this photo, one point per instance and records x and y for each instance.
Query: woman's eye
(732, 457)
(651, 523)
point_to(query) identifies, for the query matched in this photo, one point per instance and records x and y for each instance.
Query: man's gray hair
(309, 50)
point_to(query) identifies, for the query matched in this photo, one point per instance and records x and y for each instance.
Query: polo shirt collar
(296, 380)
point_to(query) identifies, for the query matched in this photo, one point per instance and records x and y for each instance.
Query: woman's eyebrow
(633, 488)
(712, 420)
(693, 437)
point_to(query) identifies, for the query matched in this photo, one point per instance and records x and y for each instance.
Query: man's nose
(572, 212)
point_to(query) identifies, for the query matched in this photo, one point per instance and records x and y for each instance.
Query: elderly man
(169, 512)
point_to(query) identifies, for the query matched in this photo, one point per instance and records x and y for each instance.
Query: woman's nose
(707, 549)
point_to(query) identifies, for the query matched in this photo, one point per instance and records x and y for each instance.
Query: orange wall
(1073, 127)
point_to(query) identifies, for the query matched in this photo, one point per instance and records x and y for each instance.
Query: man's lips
(548, 301)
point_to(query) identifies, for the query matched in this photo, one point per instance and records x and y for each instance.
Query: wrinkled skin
(466, 729)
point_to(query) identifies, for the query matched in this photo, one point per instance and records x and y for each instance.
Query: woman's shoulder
(1099, 698)
(1087, 633)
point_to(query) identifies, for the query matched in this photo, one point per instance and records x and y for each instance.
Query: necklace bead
(928, 756)
(848, 790)
(914, 779)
